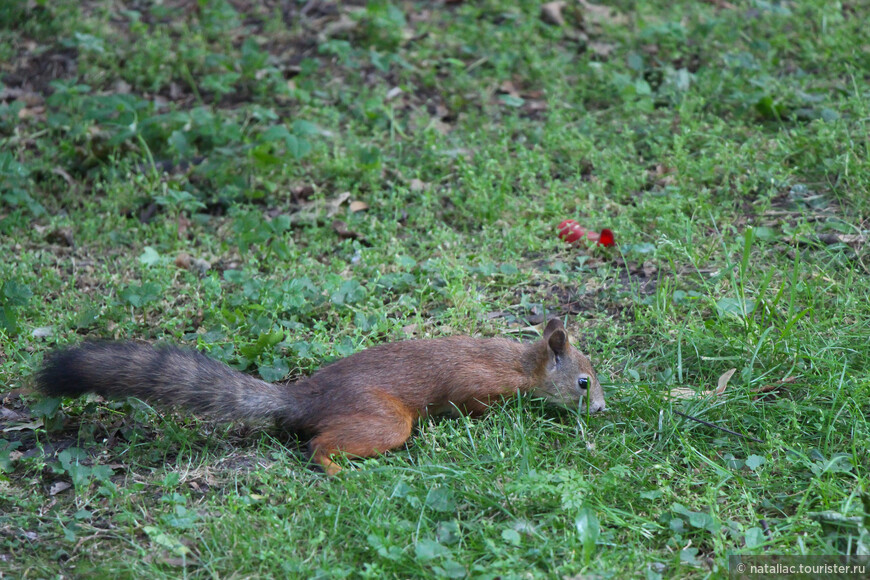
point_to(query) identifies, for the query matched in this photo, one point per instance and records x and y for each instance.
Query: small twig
(708, 424)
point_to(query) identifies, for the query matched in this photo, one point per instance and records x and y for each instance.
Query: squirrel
(360, 406)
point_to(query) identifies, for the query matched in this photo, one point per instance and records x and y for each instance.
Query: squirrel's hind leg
(360, 435)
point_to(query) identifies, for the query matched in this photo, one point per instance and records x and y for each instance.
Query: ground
(279, 184)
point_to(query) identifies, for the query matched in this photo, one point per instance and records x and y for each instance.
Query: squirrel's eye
(583, 382)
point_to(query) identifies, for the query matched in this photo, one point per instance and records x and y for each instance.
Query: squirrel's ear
(552, 326)
(558, 341)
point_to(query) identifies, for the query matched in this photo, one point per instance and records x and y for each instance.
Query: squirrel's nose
(595, 407)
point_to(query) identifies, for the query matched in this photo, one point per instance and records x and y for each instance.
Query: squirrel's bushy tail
(167, 375)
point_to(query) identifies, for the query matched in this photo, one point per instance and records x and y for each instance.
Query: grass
(173, 173)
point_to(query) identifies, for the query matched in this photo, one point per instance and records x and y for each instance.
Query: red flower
(571, 231)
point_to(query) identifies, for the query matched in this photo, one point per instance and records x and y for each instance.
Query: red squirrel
(361, 405)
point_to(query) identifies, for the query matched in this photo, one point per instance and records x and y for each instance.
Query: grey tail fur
(167, 375)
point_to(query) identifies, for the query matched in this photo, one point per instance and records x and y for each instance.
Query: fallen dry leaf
(300, 193)
(30, 113)
(551, 13)
(338, 28)
(42, 332)
(535, 106)
(508, 88)
(29, 98)
(418, 185)
(848, 239)
(723, 381)
(683, 393)
(599, 14)
(356, 206)
(122, 87)
(687, 393)
(332, 205)
(66, 176)
(494, 315)
(530, 330)
(200, 265)
(57, 487)
(345, 233)
(32, 426)
(11, 415)
(602, 49)
(176, 561)
(775, 386)
(440, 111)
(310, 211)
(186, 262)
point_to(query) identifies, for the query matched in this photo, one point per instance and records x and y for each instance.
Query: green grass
(727, 148)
